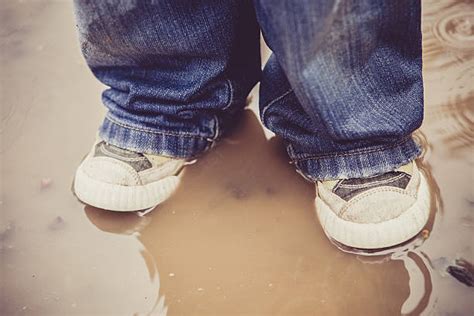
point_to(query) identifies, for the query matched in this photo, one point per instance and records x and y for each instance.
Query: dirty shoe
(376, 212)
(117, 179)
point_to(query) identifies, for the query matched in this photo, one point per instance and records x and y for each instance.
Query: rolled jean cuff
(359, 163)
(151, 141)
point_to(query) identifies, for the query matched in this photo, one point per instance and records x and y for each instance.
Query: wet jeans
(343, 86)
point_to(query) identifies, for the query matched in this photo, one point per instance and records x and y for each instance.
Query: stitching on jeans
(304, 175)
(216, 133)
(266, 107)
(231, 95)
(290, 151)
(146, 130)
(354, 152)
(229, 103)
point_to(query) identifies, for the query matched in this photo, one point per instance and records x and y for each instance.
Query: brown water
(240, 236)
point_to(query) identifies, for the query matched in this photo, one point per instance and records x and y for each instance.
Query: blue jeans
(343, 87)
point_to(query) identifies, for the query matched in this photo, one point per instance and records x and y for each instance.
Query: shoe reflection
(240, 234)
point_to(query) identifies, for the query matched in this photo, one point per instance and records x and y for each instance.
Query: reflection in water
(448, 57)
(268, 211)
(456, 30)
(452, 116)
(448, 34)
(436, 204)
(240, 235)
(416, 263)
(460, 133)
(419, 285)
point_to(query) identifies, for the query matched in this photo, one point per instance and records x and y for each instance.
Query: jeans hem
(359, 163)
(269, 104)
(155, 142)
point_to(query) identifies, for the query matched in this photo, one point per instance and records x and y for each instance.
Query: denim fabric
(179, 71)
(343, 87)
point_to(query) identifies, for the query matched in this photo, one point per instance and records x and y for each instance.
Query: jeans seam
(228, 105)
(147, 130)
(295, 158)
(307, 176)
(216, 133)
(266, 107)
(297, 167)
(231, 95)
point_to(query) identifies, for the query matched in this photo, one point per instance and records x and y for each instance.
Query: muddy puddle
(240, 236)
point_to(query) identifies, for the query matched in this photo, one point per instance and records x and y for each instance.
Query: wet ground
(240, 237)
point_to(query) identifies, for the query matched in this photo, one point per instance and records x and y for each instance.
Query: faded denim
(343, 87)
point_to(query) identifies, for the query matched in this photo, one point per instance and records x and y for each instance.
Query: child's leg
(345, 89)
(178, 71)
(345, 85)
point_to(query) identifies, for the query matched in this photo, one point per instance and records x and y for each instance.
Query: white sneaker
(376, 212)
(117, 179)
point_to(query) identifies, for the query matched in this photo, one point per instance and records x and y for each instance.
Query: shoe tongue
(408, 168)
(135, 160)
(121, 153)
(109, 150)
(331, 184)
(157, 160)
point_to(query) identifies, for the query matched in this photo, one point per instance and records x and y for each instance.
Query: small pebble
(463, 271)
(45, 183)
(7, 231)
(171, 275)
(200, 289)
(425, 233)
(57, 223)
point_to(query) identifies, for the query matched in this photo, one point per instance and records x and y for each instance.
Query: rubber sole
(122, 198)
(377, 235)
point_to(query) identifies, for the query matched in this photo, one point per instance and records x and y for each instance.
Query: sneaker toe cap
(378, 205)
(110, 170)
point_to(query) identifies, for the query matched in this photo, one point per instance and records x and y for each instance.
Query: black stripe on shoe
(136, 160)
(349, 188)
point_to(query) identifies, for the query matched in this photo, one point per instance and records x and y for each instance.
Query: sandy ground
(240, 237)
